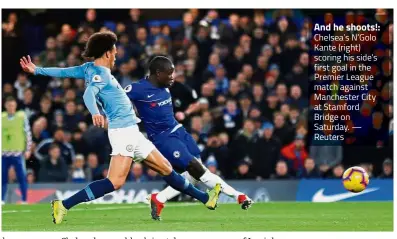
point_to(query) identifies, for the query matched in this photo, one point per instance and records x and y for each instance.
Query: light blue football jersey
(101, 88)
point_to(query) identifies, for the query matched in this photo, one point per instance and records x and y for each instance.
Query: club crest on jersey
(129, 148)
(128, 88)
(177, 154)
(96, 78)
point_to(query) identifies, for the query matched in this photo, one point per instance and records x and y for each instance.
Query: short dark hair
(294, 107)
(230, 99)
(59, 129)
(22, 73)
(53, 146)
(249, 120)
(158, 63)
(309, 158)
(45, 98)
(99, 43)
(28, 89)
(10, 98)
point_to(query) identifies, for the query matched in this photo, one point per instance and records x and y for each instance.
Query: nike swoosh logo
(320, 197)
(150, 96)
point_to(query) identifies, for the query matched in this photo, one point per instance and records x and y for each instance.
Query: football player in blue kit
(128, 144)
(152, 99)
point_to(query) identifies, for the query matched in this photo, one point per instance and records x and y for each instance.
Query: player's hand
(27, 64)
(27, 155)
(180, 116)
(98, 120)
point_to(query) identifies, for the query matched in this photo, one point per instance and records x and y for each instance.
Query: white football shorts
(130, 142)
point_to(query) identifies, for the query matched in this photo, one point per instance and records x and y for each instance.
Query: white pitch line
(15, 211)
(109, 208)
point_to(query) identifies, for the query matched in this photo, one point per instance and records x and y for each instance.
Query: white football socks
(208, 178)
(211, 180)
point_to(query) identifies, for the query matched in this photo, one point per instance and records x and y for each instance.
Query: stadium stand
(250, 70)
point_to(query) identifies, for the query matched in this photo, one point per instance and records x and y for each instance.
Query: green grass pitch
(280, 216)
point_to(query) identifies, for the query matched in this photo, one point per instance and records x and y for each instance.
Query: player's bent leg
(124, 147)
(176, 152)
(199, 172)
(118, 170)
(169, 192)
(156, 161)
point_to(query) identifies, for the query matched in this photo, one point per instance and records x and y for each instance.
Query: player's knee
(117, 182)
(166, 169)
(196, 169)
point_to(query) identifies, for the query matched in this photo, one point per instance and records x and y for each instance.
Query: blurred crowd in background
(249, 71)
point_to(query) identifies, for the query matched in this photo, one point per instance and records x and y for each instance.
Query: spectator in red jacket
(295, 153)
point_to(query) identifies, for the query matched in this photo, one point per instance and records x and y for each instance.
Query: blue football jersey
(101, 88)
(154, 106)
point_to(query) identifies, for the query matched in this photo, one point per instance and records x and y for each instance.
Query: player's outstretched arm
(70, 72)
(90, 102)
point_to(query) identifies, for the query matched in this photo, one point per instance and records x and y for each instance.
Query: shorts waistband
(135, 126)
(164, 133)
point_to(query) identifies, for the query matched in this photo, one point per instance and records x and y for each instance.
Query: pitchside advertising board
(265, 191)
(137, 192)
(333, 191)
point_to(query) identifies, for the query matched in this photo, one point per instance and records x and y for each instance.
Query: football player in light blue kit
(127, 142)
